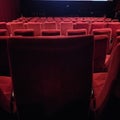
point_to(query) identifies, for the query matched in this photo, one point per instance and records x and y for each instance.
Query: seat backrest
(12, 26)
(100, 51)
(50, 19)
(115, 42)
(4, 62)
(109, 97)
(50, 32)
(64, 26)
(82, 25)
(104, 31)
(76, 32)
(114, 26)
(97, 25)
(3, 25)
(52, 76)
(36, 26)
(50, 25)
(5, 93)
(117, 32)
(4, 32)
(24, 32)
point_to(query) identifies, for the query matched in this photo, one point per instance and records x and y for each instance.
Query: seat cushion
(5, 92)
(98, 82)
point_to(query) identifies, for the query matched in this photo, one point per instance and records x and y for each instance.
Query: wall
(9, 9)
(66, 8)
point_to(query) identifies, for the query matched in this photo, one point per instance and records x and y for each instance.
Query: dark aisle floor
(7, 116)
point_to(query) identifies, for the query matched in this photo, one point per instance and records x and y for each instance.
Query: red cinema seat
(106, 87)
(52, 76)
(76, 32)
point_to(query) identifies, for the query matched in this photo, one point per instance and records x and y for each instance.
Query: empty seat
(6, 93)
(114, 26)
(5, 79)
(12, 26)
(50, 32)
(4, 32)
(115, 20)
(97, 25)
(49, 25)
(52, 76)
(3, 25)
(76, 32)
(106, 88)
(24, 32)
(82, 25)
(101, 31)
(100, 52)
(104, 31)
(117, 32)
(50, 19)
(36, 26)
(64, 26)
(66, 19)
(116, 41)
(4, 61)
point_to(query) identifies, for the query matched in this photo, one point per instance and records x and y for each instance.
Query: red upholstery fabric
(115, 42)
(13, 26)
(3, 25)
(117, 32)
(101, 31)
(24, 32)
(77, 32)
(114, 26)
(50, 32)
(115, 20)
(36, 26)
(5, 93)
(99, 81)
(81, 25)
(34, 19)
(106, 85)
(64, 26)
(4, 62)
(4, 32)
(66, 19)
(100, 51)
(50, 25)
(52, 76)
(108, 20)
(57, 19)
(107, 61)
(104, 31)
(5, 81)
(50, 19)
(97, 25)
